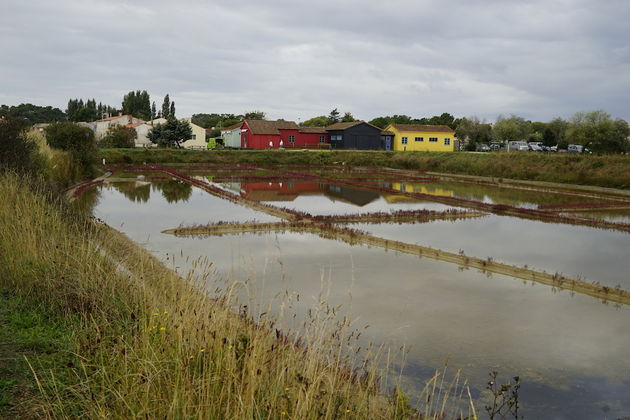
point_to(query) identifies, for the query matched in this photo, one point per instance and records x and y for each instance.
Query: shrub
(119, 137)
(77, 140)
(17, 152)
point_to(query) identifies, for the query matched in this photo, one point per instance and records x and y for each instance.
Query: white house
(142, 131)
(101, 126)
(198, 139)
(232, 136)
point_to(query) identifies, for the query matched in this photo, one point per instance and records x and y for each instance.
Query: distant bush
(78, 141)
(17, 152)
(119, 137)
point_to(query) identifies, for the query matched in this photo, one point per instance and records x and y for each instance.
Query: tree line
(596, 130)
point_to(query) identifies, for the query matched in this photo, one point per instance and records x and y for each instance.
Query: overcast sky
(297, 59)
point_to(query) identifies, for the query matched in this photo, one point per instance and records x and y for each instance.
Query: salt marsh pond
(570, 349)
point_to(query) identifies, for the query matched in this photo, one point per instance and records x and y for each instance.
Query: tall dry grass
(57, 167)
(151, 344)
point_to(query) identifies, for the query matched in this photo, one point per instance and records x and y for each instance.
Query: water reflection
(140, 191)
(325, 198)
(571, 351)
(517, 197)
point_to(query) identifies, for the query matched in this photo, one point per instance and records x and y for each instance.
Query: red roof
(313, 130)
(113, 118)
(270, 127)
(134, 125)
(233, 126)
(419, 127)
(346, 125)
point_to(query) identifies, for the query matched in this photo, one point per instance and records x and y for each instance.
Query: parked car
(517, 145)
(575, 148)
(484, 148)
(496, 146)
(535, 147)
(553, 148)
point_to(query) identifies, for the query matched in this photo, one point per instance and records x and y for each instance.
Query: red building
(313, 138)
(262, 134)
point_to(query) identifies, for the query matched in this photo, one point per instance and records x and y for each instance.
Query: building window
(336, 138)
(322, 139)
(447, 141)
(433, 139)
(194, 137)
(404, 140)
(291, 139)
(419, 138)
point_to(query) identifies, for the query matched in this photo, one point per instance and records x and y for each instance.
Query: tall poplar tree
(166, 107)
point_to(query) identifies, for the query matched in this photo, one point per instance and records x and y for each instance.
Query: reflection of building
(351, 195)
(278, 191)
(416, 188)
(410, 137)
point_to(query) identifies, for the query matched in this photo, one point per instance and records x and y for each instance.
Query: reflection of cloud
(551, 339)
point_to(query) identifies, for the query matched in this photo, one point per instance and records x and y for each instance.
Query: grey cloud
(296, 59)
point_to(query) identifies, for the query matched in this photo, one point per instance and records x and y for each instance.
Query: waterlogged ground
(570, 350)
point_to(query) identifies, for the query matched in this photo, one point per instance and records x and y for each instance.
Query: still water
(571, 351)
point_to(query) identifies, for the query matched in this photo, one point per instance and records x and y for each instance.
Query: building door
(388, 142)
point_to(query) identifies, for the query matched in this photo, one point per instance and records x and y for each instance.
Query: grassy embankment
(108, 331)
(603, 171)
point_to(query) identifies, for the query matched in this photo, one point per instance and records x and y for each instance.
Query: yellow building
(414, 137)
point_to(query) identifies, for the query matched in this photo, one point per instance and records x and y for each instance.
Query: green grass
(603, 171)
(30, 338)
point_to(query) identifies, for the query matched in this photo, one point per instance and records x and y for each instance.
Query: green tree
(166, 107)
(321, 121)
(333, 117)
(119, 137)
(513, 128)
(171, 113)
(78, 110)
(33, 114)
(348, 117)
(138, 104)
(444, 119)
(77, 140)
(599, 132)
(555, 133)
(472, 131)
(17, 152)
(170, 134)
(153, 111)
(255, 115)
(383, 122)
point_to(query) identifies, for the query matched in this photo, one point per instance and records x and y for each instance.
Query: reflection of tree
(134, 191)
(88, 200)
(174, 191)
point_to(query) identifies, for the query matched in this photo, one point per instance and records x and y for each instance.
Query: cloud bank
(297, 59)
